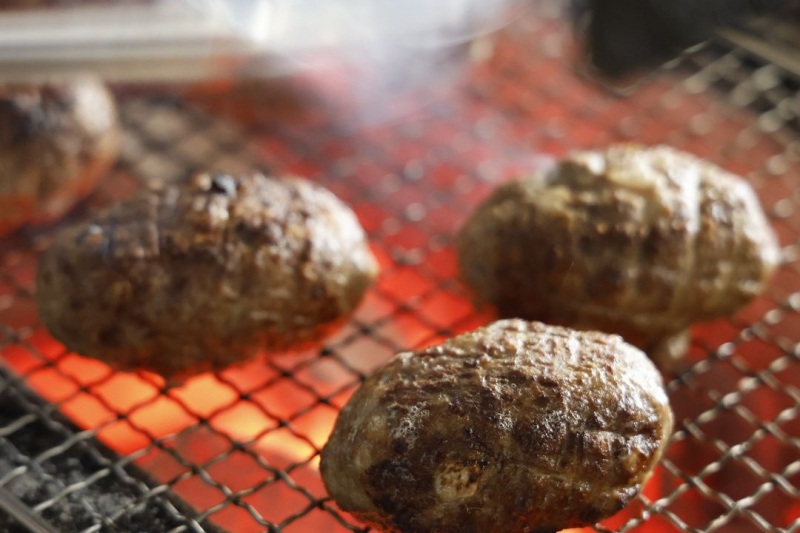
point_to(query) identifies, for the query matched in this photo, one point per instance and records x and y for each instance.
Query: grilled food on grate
(631, 240)
(514, 427)
(56, 142)
(204, 274)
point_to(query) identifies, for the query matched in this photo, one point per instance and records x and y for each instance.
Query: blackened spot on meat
(594, 211)
(391, 473)
(591, 245)
(385, 502)
(251, 235)
(571, 450)
(545, 381)
(542, 400)
(392, 483)
(404, 520)
(318, 290)
(399, 445)
(550, 260)
(592, 514)
(606, 283)
(620, 236)
(179, 284)
(65, 267)
(516, 376)
(30, 121)
(224, 184)
(594, 421)
(652, 244)
(46, 276)
(466, 373)
(110, 336)
(305, 254)
(489, 401)
(614, 276)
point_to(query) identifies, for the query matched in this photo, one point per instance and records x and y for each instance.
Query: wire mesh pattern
(242, 446)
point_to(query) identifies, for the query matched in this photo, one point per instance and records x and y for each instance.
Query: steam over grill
(239, 450)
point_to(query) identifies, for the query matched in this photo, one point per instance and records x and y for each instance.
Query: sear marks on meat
(515, 427)
(56, 141)
(204, 274)
(636, 241)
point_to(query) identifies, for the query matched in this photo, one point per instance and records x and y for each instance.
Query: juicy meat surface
(203, 274)
(636, 241)
(515, 427)
(56, 141)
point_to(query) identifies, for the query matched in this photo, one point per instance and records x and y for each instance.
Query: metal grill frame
(408, 237)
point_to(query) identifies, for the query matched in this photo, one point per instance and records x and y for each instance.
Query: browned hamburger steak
(56, 142)
(630, 240)
(515, 427)
(204, 274)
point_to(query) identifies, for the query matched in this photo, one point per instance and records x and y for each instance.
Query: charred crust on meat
(637, 241)
(554, 428)
(203, 274)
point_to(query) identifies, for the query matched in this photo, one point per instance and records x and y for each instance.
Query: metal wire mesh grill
(242, 446)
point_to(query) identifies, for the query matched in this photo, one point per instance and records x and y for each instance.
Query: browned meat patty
(515, 427)
(202, 275)
(631, 240)
(56, 142)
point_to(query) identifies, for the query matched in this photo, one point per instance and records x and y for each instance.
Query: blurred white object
(195, 39)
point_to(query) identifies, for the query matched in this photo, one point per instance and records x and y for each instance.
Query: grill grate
(241, 446)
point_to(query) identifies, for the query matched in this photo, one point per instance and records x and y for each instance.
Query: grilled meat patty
(56, 142)
(631, 240)
(204, 274)
(514, 427)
